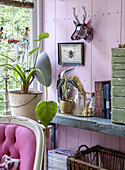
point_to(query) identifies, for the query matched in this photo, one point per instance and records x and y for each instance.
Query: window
(14, 22)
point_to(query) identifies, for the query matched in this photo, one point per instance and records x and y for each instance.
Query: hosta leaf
(45, 111)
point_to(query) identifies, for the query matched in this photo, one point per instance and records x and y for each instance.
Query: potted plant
(22, 101)
(64, 84)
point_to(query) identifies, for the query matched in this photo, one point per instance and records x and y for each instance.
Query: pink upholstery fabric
(18, 142)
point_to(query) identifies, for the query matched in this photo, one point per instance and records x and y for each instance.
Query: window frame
(36, 25)
(35, 30)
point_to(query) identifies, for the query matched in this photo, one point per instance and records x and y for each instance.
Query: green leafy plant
(45, 110)
(26, 77)
(65, 82)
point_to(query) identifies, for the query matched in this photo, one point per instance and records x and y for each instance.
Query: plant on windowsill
(26, 76)
(64, 86)
(25, 107)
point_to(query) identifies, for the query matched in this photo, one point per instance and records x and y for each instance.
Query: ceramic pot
(66, 106)
(24, 104)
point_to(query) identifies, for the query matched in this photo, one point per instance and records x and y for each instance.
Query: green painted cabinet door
(118, 85)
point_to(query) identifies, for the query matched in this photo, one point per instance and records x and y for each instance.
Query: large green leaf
(34, 50)
(45, 111)
(43, 36)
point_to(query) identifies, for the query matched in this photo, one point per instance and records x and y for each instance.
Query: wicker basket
(96, 158)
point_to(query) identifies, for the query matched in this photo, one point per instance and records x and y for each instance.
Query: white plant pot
(24, 104)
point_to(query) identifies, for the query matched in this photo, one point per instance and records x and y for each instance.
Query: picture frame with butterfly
(71, 53)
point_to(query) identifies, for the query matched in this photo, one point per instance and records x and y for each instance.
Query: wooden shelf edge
(90, 123)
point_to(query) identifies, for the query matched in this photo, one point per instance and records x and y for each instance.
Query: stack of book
(57, 159)
(103, 99)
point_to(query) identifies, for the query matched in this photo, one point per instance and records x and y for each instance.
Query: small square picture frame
(71, 53)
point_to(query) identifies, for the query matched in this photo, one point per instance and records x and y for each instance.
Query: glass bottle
(91, 108)
(77, 110)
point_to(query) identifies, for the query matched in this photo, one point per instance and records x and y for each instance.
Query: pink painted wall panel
(72, 143)
(49, 7)
(99, 42)
(51, 53)
(108, 21)
(97, 139)
(60, 30)
(70, 5)
(61, 137)
(122, 144)
(112, 30)
(123, 22)
(112, 142)
(84, 137)
(61, 9)
(49, 44)
(70, 28)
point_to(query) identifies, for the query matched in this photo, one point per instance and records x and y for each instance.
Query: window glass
(14, 42)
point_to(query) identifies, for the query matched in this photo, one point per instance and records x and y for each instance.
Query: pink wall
(108, 21)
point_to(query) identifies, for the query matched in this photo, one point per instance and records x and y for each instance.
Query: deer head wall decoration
(83, 30)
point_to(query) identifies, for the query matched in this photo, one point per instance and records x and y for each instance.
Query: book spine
(107, 101)
(104, 101)
(100, 100)
(110, 98)
(96, 99)
(103, 111)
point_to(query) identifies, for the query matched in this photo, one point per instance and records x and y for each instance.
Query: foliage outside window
(14, 22)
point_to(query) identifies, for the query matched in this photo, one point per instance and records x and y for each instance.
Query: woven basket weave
(96, 158)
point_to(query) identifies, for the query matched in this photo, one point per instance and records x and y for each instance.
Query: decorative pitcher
(77, 110)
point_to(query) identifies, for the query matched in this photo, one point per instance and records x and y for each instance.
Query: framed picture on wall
(71, 53)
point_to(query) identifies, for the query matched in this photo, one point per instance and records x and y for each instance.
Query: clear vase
(77, 110)
(91, 108)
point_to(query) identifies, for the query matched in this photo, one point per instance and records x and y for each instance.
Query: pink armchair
(22, 138)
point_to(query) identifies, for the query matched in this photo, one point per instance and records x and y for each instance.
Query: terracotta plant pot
(66, 106)
(24, 104)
